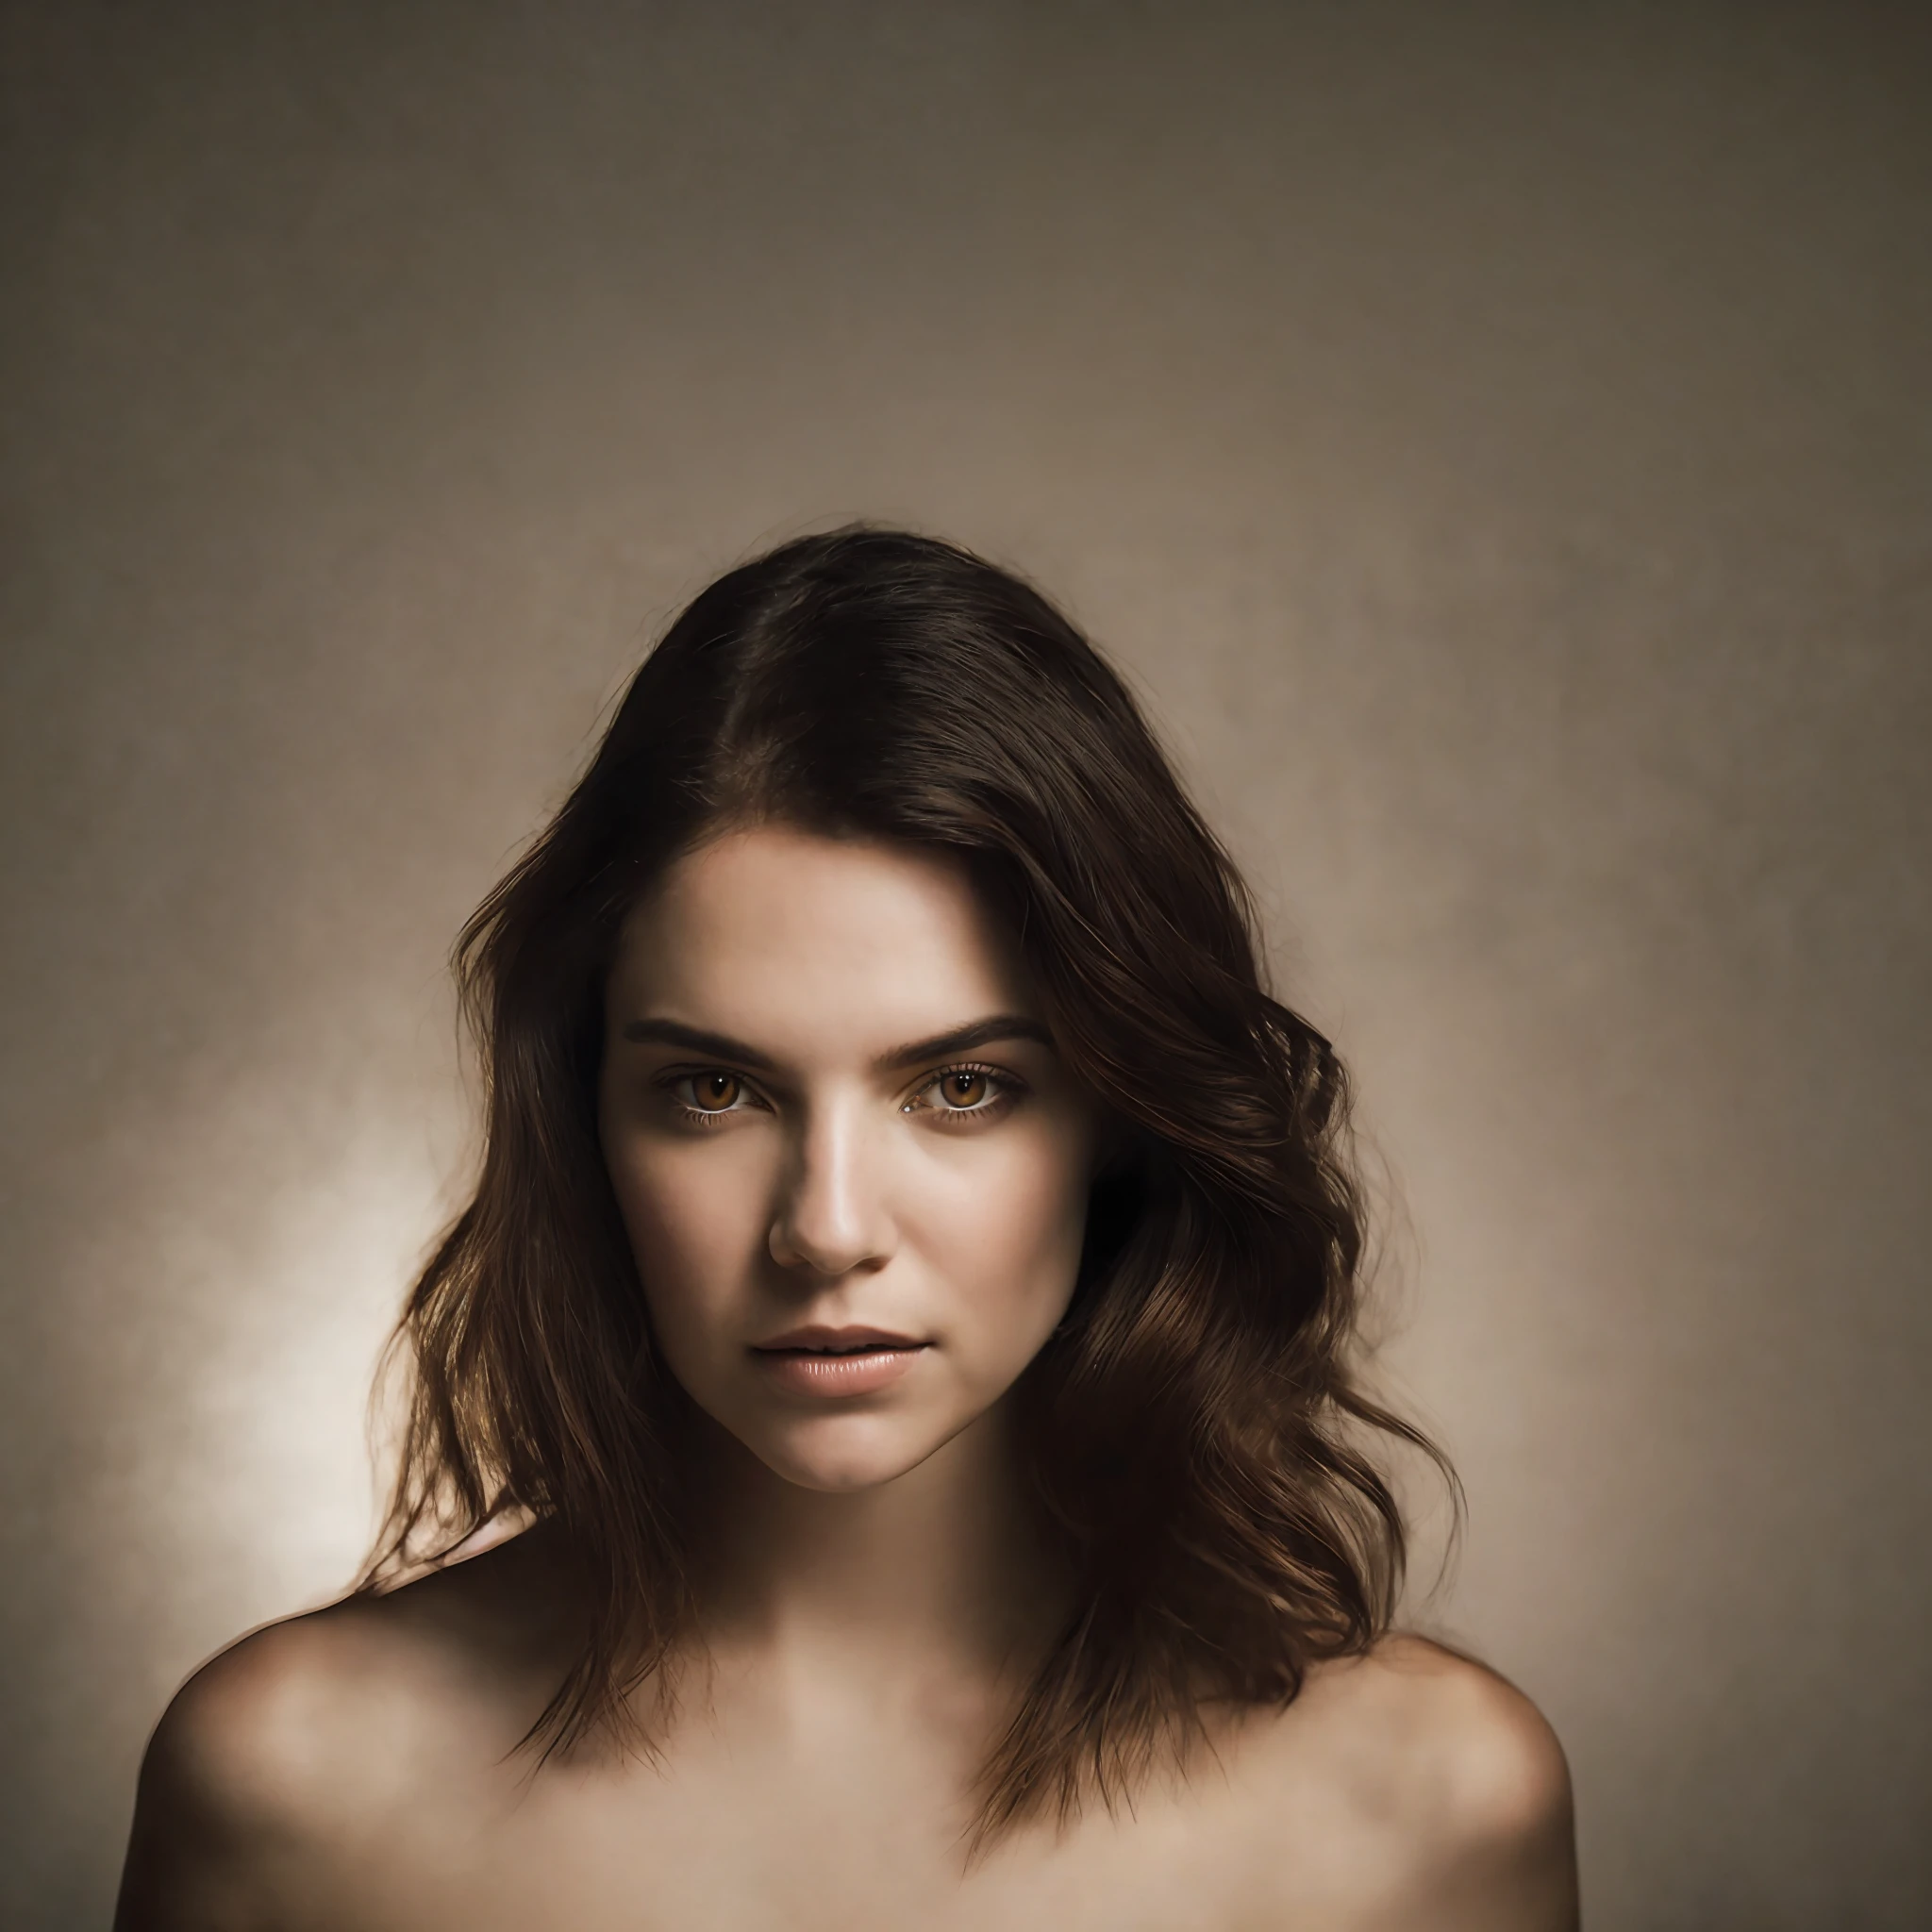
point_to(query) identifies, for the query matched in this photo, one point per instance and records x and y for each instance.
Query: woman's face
(853, 1169)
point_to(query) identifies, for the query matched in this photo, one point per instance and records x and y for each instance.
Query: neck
(939, 1571)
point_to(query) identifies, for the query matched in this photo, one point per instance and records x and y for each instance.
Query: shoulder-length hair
(1193, 1430)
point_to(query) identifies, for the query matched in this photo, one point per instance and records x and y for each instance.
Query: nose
(830, 1217)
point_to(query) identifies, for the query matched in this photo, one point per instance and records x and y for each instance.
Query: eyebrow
(964, 1038)
(717, 1046)
(720, 1046)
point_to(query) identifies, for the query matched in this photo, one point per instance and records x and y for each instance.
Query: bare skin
(874, 1589)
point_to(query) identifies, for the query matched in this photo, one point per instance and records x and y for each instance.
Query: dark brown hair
(1193, 1429)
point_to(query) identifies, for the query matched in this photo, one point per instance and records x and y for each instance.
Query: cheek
(1007, 1244)
(698, 1226)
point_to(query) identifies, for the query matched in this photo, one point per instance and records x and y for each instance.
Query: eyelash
(672, 1079)
(1007, 1088)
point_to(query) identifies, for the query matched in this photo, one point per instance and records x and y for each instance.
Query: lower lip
(804, 1374)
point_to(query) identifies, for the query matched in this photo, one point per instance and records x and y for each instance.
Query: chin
(846, 1453)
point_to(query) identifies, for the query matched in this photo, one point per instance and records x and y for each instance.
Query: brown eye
(715, 1093)
(963, 1087)
(979, 1093)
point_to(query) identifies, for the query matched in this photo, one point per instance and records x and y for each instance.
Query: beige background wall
(1495, 438)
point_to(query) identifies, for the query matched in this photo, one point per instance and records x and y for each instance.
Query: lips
(821, 1361)
(816, 1339)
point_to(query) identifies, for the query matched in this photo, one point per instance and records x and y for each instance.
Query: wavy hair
(1195, 1435)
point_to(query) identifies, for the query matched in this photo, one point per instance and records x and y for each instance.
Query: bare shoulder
(1441, 1739)
(301, 1738)
(1443, 1790)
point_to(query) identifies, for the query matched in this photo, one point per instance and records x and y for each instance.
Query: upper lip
(816, 1335)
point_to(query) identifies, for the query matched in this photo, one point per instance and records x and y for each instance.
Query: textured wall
(1497, 440)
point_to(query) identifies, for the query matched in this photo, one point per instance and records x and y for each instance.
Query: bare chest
(734, 1841)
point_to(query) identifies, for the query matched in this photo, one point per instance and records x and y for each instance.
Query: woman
(908, 1296)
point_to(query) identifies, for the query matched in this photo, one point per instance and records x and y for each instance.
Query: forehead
(792, 940)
